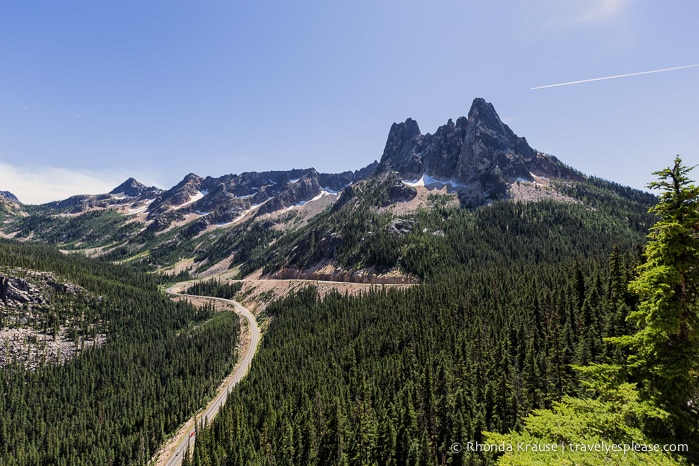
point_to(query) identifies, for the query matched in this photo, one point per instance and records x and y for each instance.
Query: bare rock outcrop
(478, 152)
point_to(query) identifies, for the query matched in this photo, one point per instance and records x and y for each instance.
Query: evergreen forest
(523, 328)
(215, 289)
(533, 322)
(398, 377)
(114, 403)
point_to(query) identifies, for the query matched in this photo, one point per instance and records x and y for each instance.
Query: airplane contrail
(614, 77)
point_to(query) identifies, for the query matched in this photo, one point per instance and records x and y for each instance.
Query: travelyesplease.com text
(597, 447)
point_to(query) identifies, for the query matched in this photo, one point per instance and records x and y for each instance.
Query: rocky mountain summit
(479, 155)
(129, 193)
(9, 196)
(9, 204)
(226, 198)
(134, 188)
(220, 199)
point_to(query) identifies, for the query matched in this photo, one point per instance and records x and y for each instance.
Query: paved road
(174, 456)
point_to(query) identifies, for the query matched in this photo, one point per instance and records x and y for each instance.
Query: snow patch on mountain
(141, 209)
(198, 195)
(324, 192)
(429, 181)
(243, 214)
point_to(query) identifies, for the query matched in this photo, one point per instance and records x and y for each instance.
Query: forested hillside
(515, 293)
(410, 377)
(113, 404)
(398, 377)
(362, 231)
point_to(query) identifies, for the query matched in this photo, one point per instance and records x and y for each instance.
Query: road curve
(173, 457)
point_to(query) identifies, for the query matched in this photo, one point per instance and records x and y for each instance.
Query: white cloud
(37, 185)
(600, 10)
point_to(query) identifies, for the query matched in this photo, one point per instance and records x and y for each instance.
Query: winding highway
(172, 452)
(185, 438)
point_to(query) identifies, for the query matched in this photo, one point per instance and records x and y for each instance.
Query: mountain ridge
(478, 155)
(252, 217)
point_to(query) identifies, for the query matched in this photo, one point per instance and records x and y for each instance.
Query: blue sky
(94, 92)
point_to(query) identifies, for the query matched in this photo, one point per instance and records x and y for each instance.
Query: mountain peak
(401, 148)
(9, 196)
(483, 114)
(130, 187)
(479, 104)
(480, 152)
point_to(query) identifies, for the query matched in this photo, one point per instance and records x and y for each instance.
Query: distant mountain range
(478, 156)
(476, 160)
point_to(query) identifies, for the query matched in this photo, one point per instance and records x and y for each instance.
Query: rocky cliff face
(40, 307)
(479, 152)
(16, 291)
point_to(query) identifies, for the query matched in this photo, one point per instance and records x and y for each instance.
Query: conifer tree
(661, 398)
(665, 349)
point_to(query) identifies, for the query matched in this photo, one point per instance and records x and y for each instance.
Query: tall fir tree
(665, 349)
